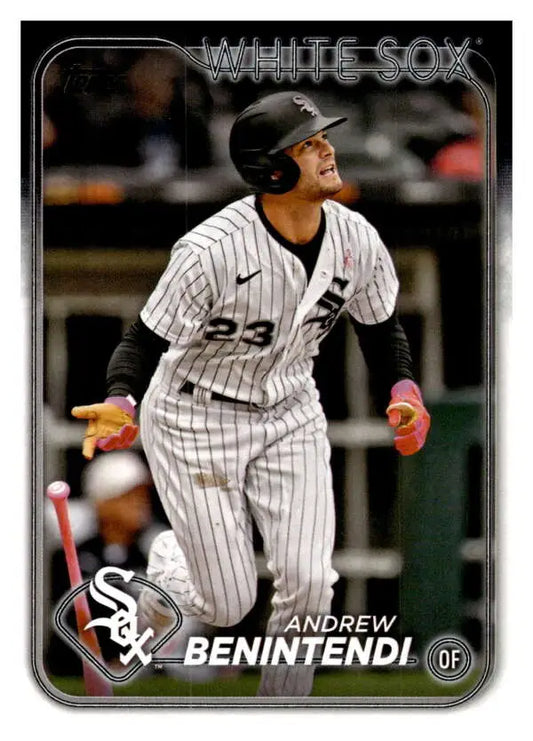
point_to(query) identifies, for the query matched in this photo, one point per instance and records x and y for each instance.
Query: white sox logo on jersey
(332, 303)
(123, 623)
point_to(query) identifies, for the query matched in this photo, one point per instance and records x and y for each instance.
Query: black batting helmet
(263, 130)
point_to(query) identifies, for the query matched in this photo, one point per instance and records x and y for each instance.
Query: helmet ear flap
(274, 173)
(284, 174)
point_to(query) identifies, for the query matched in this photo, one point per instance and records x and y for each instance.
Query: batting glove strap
(408, 416)
(407, 390)
(126, 403)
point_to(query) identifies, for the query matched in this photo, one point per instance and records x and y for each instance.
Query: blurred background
(135, 153)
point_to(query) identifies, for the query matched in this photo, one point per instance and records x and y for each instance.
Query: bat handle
(58, 492)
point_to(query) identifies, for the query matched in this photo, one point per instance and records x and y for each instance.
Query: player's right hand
(109, 427)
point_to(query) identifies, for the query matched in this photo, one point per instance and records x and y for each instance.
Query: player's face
(316, 159)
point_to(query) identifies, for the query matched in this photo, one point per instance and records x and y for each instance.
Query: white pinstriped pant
(215, 467)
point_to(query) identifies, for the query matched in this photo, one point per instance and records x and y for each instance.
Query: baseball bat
(95, 683)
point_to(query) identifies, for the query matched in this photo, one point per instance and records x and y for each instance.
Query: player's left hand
(409, 417)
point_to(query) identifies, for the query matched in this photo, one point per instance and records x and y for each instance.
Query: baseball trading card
(262, 264)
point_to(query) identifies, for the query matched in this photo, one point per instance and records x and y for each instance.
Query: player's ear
(276, 175)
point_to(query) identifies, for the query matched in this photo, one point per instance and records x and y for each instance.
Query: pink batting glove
(408, 416)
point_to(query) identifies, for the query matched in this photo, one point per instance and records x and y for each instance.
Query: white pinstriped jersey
(238, 310)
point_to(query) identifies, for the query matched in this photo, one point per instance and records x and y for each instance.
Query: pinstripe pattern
(200, 283)
(280, 475)
(217, 465)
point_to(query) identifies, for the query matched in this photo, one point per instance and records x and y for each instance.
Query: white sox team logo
(120, 626)
(122, 623)
(305, 105)
(333, 304)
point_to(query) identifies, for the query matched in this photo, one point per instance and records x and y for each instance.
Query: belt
(188, 388)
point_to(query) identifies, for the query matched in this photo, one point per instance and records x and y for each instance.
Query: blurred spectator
(117, 485)
(165, 124)
(464, 159)
(65, 125)
(148, 111)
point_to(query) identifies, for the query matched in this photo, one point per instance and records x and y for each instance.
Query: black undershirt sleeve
(134, 361)
(386, 352)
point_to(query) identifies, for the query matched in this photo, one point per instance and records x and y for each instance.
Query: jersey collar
(292, 246)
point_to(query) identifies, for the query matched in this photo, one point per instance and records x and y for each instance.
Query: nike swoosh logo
(246, 278)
